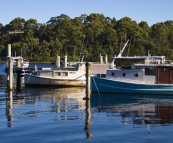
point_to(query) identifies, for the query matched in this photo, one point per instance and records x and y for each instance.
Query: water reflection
(136, 109)
(65, 99)
(2, 80)
(9, 107)
(51, 99)
(87, 121)
(62, 106)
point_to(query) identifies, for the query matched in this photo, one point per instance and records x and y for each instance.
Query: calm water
(51, 115)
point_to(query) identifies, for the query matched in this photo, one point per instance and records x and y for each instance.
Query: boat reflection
(135, 109)
(51, 100)
(68, 103)
(64, 98)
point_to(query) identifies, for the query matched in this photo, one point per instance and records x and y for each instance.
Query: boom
(119, 55)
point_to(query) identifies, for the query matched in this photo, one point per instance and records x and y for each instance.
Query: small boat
(23, 62)
(139, 74)
(67, 77)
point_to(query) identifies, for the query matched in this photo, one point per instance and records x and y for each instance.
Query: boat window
(64, 74)
(124, 74)
(112, 73)
(136, 74)
(57, 74)
(61, 74)
(150, 71)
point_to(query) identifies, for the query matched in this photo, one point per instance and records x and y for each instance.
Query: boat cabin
(119, 62)
(142, 69)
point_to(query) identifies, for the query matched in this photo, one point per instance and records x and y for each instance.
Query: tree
(16, 24)
(33, 44)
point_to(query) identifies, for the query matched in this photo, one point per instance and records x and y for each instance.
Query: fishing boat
(67, 77)
(138, 74)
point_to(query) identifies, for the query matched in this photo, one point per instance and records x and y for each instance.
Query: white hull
(41, 80)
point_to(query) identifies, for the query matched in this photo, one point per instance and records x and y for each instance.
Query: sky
(151, 11)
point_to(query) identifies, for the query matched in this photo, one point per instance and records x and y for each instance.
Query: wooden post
(10, 73)
(88, 76)
(65, 61)
(57, 62)
(106, 59)
(101, 59)
(9, 50)
(18, 64)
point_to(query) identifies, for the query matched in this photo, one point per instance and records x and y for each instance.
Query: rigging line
(35, 71)
(28, 77)
(81, 49)
(96, 87)
(77, 77)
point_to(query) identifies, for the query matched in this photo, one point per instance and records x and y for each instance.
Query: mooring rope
(74, 79)
(78, 77)
(96, 87)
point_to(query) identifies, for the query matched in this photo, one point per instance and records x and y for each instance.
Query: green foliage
(88, 35)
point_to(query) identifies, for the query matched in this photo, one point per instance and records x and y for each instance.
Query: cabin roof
(141, 57)
(153, 65)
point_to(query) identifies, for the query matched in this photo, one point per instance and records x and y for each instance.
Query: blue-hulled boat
(139, 74)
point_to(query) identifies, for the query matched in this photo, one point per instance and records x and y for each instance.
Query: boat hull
(43, 81)
(103, 85)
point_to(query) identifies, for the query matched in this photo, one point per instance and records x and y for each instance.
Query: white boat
(72, 76)
(23, 62)
(139, 74)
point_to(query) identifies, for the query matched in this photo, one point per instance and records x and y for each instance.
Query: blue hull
(103, 85)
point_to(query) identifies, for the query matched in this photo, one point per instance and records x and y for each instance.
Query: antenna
(81, 50)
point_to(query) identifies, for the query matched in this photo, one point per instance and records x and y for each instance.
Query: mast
(80, 58)
(119, 55)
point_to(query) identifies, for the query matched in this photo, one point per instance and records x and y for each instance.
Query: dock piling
(65, 61)
(106, 59)
(10, 73)
(9, 50)
(88, 76)
(18, 64)
(101, 59)
(57, 62)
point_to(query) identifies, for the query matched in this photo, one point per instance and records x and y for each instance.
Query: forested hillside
(94, 33)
